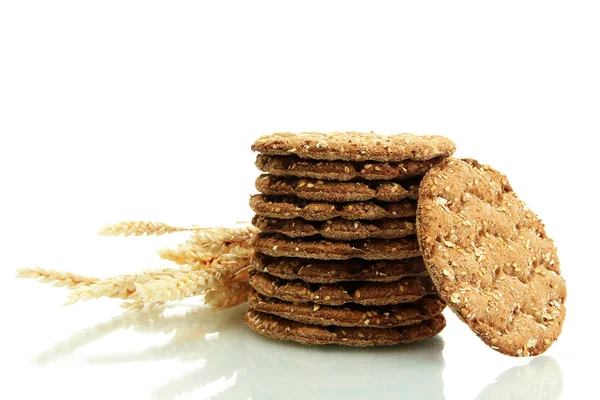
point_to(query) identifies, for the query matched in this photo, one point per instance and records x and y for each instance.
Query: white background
(123, 110)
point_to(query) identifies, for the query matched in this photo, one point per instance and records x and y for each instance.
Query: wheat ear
(58, 278)
(138, 228)
(204, 246)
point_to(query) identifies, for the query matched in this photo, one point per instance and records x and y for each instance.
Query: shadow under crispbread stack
(337, 259)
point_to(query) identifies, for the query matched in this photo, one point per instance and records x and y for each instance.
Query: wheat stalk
(58, 278)
(138, 228)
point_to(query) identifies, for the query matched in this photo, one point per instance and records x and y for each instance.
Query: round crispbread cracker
(405, 290)
(279, 328)
(277, 245)
(343, 170)
(490, 258)
(292, 207)
(337, 192)
(355, 146)
(320, 271)
(338, 229)
(350, 314)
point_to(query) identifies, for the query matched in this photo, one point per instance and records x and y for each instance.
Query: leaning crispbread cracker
(490, 258)
(290, 207)
(282, 329)
(350, 314)
(364, 293)
(277, 245)
(318, 190)
(318, 271)
(338, 229)
(343, 170)
(355, 146)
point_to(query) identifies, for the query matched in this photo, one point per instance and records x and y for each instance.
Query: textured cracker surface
(290, 207)
(364, 293)
(318, 190)
(319, 271)
(355, 146)
(490, 258)
(277, 245)
(343, 170)
(278, 328)
(350, 314)
(339, 228)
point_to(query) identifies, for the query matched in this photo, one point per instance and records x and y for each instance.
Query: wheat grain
(138, 228)
(58, 278)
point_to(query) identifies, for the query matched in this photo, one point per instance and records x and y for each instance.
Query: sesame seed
(455, 298)
(316, 307)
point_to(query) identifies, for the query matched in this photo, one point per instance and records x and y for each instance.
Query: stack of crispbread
(338, 259)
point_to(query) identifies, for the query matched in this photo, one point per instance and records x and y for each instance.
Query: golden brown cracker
(343, 170)
(364, 293)
(338, 228)
(277, 245)
(355, 146)
(350, 314)
(279, 328)
(291, 207)
(337, 192)
(319, 271)
(490, 257)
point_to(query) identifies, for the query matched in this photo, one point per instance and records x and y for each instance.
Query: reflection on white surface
(230, 361)
(540, 379)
